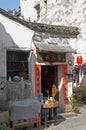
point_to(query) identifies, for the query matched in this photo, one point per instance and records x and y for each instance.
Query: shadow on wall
(6, 40)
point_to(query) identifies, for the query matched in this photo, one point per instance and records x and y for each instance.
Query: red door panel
(65, 83)
(37, 79)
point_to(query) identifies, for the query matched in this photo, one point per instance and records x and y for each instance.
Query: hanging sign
(51, 57)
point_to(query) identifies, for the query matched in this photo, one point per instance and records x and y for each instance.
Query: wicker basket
(50, 105)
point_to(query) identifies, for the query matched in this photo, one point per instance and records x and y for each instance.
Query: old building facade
(67, 13)
(64, 12)
(15, 46)
(53, 41)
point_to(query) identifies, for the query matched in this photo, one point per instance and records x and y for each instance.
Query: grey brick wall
(13, 91)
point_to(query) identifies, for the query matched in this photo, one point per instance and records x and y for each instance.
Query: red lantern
(79, 59)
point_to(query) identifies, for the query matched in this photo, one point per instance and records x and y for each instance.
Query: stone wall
(13, 91)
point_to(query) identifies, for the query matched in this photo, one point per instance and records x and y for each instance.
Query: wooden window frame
(17, 64)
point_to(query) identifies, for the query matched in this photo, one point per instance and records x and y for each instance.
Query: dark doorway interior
(49, 77)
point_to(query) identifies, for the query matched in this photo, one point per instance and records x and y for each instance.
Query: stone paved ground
(65, 122)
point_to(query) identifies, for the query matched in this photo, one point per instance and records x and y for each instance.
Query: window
(37, 7)
(17, 64)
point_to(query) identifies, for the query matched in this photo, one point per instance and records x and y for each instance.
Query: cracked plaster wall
(72, 13)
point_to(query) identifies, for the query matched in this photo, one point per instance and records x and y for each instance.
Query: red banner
(37, 79)
(65, 83)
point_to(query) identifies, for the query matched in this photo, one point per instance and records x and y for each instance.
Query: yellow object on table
(50, 105)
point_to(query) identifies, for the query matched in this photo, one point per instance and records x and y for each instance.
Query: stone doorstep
(68, 114)
(48, 129)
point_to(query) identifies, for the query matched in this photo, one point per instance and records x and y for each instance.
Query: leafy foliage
(74, 103)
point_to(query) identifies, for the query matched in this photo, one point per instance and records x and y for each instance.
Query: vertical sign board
(70, 89)
(65, 83)
(37, 79)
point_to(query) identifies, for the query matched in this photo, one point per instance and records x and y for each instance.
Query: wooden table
(24, 112)
(49, 107)
(25, 123)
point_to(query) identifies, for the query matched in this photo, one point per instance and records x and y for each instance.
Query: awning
(54, 48)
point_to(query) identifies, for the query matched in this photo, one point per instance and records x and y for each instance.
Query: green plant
(74, 103)
(1, 128)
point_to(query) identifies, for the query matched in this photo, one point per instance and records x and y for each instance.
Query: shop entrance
(49, 76)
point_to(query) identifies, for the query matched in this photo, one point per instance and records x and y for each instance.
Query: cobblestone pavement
(74, 123)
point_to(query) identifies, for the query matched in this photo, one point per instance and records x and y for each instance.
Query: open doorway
(49, 76)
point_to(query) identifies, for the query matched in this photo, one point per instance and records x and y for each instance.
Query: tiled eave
(56, 29)
(53, 48)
